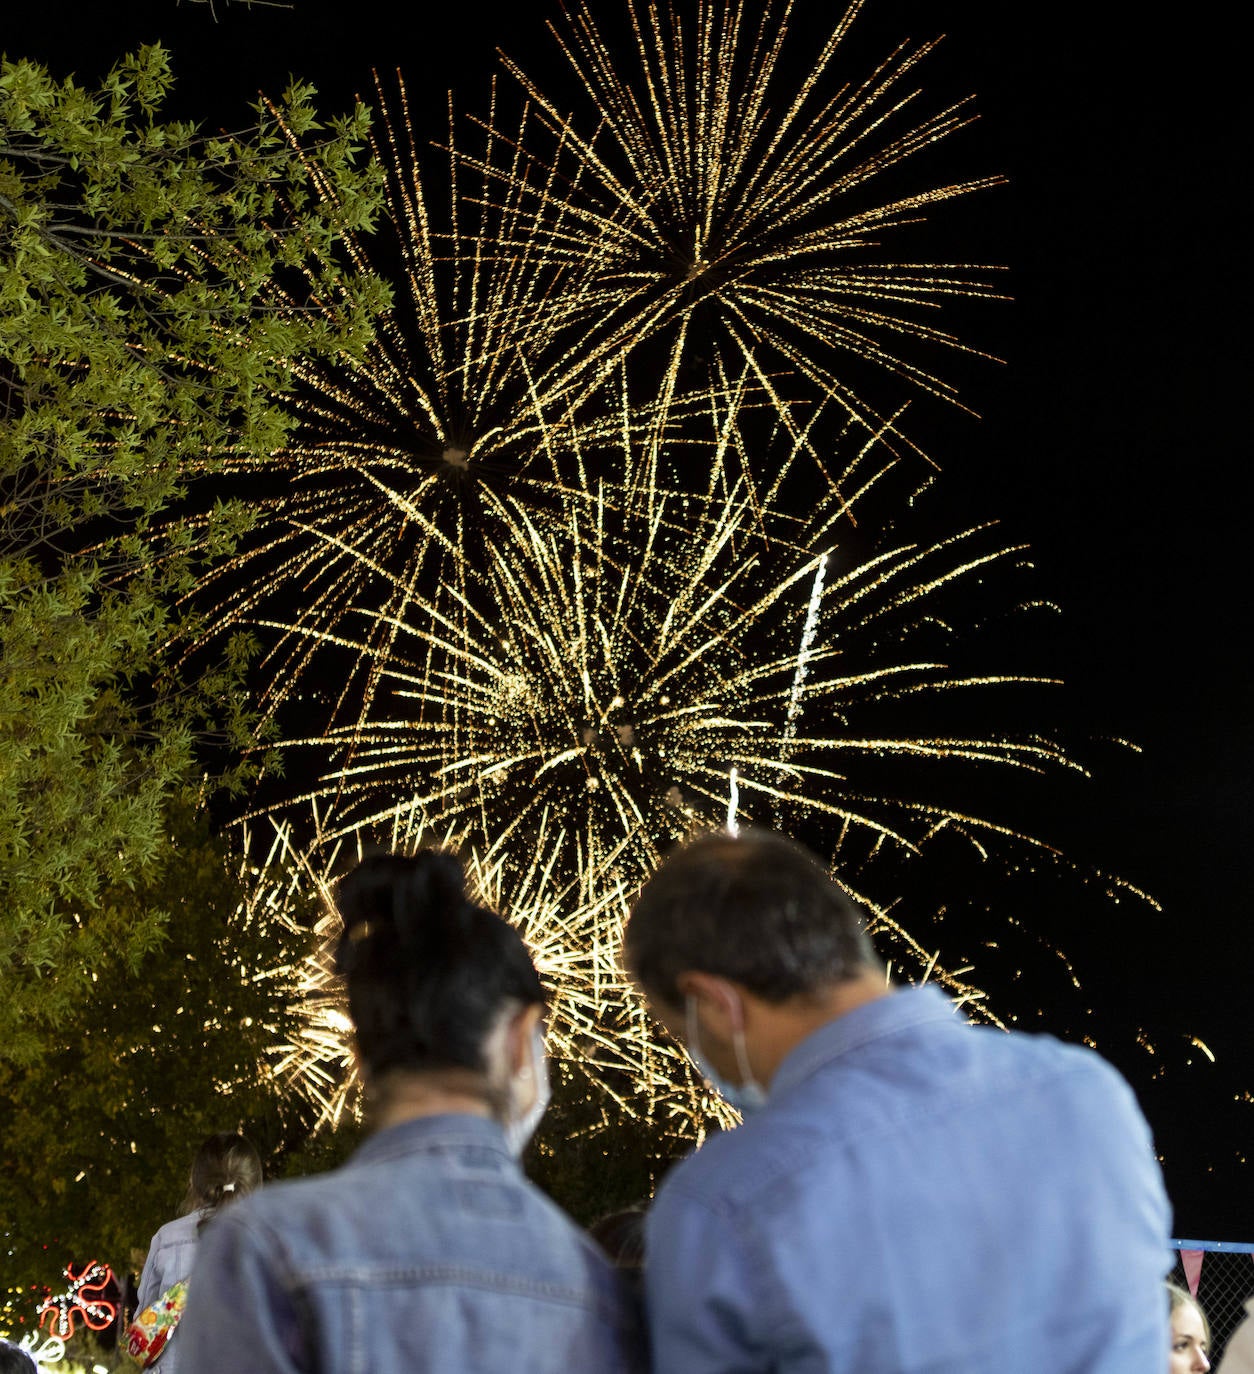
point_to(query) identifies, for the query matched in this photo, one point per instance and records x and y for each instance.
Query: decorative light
(83, 1300)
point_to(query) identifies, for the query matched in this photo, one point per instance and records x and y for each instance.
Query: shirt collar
(450, 1129)
(901, 1010)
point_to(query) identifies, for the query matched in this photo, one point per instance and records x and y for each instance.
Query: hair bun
(401, 905)
(432, 903)
(428, 970)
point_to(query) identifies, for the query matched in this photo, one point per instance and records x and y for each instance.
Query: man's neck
(404, 1096)
(775, 1029)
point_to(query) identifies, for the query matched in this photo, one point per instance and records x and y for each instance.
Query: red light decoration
(84, 1301)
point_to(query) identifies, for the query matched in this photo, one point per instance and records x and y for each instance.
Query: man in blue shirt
(908, 1194)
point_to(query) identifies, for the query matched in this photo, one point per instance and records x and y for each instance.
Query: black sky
(1111, 440)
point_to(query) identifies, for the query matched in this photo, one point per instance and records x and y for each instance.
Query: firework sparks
(581, 703)
(613, 663)
(596, 1020)
(730, 213)
(402, 453)
(560, 630)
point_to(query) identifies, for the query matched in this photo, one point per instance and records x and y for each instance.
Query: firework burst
(402, 452)
(628, 666)
(611, 663)
(596, 1020)
(557, 628)
(723, 211)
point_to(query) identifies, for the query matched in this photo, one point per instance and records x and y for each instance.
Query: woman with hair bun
(429, 1250)
(227, 1166)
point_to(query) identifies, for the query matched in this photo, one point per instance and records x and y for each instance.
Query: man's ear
(719, 1002)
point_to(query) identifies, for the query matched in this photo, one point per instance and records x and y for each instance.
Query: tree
(144, 333)
(97, 1135)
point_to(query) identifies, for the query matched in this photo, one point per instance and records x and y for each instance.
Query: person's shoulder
(285, 1198)
(1041, 1054)
(176, 1232)
(732, 1166)
(560, 1223)
(267, 1221)
(1069, 1080)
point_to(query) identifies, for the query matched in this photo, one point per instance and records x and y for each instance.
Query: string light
(82, 1301)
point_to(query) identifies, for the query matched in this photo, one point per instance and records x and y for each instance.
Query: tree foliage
(141, 339)
(97, 1135)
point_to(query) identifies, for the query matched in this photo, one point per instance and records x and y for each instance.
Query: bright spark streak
(1206, 1050)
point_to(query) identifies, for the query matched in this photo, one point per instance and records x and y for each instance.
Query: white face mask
(748, 1095)
(519, 1129)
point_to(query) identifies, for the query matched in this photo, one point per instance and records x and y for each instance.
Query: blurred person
(15, 1360)
(907, 1192)
(429, 1250)
(621, 1235)
(1239, 1352)
(226, 1167)
(1190, 1333)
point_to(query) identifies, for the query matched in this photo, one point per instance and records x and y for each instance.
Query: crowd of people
(908, 1193)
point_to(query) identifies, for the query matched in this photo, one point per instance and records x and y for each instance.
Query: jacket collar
(452, 1129)
(903, 1009)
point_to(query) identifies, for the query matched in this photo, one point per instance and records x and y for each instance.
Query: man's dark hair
(15, 1361)
(756, 908)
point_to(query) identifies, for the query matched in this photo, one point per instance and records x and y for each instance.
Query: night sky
(1110, 441)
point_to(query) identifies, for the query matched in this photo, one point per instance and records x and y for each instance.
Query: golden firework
(715, 210)
(611, 661)
(596, 1020)
(599, 542)
(402, 450)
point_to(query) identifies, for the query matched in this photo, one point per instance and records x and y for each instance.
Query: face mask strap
(746, 1096)
(520, 1129)
(742, 1059)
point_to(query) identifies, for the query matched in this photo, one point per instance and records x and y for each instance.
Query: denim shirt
(428, 1251)
(918, 1196)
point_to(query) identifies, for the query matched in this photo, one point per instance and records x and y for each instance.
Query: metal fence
(1220, 1275)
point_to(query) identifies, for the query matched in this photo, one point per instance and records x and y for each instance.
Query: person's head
(439, 988)
(1190, 1334)
(733, 920)
(14, 1360)
(754, 908)
(621, 1236)
(226, 1167)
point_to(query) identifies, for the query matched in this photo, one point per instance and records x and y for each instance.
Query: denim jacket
(918, 1196)
(428, 1251)
(170, 1258)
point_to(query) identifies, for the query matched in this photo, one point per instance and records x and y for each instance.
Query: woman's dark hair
(754, 907)
(226, 1167)
(428, 971)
